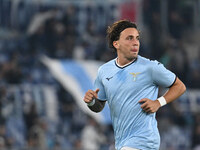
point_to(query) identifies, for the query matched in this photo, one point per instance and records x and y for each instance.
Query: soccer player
(130, 85)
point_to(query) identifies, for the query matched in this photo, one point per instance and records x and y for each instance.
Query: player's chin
(134, 55)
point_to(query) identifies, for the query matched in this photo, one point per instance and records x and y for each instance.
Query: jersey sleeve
(162, 76)
(98, 85)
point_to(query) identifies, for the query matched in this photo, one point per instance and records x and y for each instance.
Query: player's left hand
(149, 106)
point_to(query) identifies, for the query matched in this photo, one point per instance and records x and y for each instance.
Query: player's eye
(129, 37)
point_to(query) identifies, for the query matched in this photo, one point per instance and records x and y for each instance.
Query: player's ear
(116, 44)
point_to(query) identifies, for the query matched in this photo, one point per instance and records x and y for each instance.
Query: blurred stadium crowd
(71, 30)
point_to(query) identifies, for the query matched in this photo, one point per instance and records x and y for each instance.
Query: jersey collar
(121, 67)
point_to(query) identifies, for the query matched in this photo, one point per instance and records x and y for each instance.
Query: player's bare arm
(176, 90)
(91, 99)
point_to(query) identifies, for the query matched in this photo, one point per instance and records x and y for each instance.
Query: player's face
(128, 44)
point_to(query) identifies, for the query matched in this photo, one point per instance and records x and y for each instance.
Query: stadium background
(36, 110)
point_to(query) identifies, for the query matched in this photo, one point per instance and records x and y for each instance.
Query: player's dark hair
(113, 31)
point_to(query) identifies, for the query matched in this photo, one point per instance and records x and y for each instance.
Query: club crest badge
(135, 75)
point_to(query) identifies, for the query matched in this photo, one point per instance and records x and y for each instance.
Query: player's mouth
(134, 50)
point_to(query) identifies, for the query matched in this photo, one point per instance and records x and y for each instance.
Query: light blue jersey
(123, 87)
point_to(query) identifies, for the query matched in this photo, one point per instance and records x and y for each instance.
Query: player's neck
(123, 63)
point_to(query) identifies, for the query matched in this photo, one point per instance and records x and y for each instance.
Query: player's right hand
(90, 95)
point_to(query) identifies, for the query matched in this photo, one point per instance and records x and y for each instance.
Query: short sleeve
(162, 76)
(98, 84)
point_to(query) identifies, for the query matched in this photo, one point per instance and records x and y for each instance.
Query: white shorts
(128, 148)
